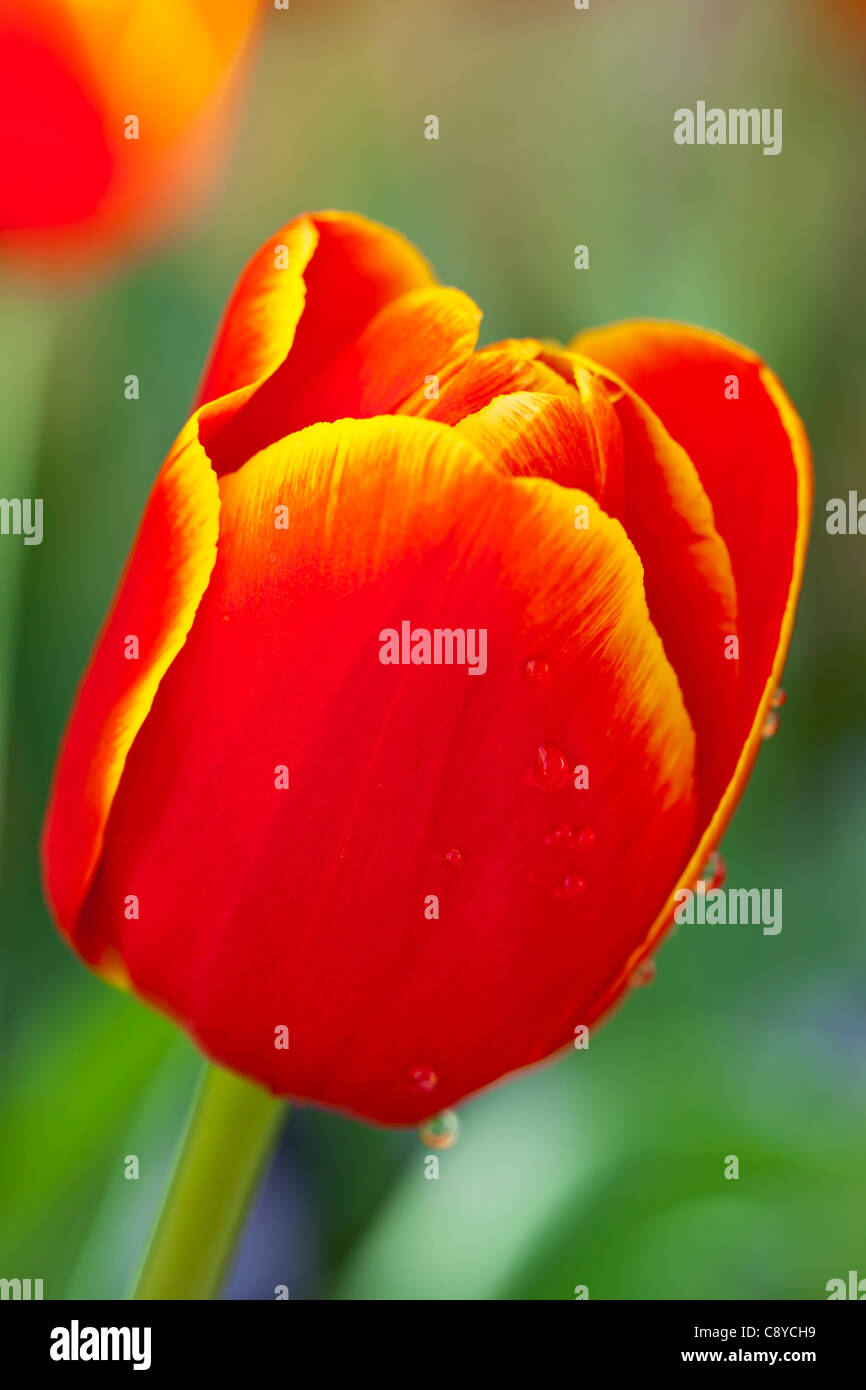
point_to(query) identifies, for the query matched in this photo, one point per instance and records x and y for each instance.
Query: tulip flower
(359, 876)
(112, 115)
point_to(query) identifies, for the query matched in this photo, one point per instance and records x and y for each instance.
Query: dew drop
(441, 1132)
(423, 1080)
(643, 974)
(570, 886)
(586, 837)
(536, 671)
(560, 837)
(771, 724)
(550, 768)
(452, 859)
(715, 871)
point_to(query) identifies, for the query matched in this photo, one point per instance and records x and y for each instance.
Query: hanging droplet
(561, 837)
(586, 838)
(452, 859)
(643, 974)
(715, 871)
(771, 723)
(570, 886)
(550, 768)
(536, 671)
(441, 1132)
(423, 1080)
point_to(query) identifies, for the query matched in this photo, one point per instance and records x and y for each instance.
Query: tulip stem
(232, 1132)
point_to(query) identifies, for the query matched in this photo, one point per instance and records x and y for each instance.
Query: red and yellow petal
(304, 298)
(752, 456)
(756, 468)
(425, 335)
(690, 585)
(156, 602)
(599, 436)
(76, 188)
(174, 553)
(506, 367)
(284, 908)
(572, 438)
(54, 174)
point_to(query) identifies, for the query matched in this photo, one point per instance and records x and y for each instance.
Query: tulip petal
(167, 574)
(259, 324)
(504, 368)
(54, 172)
(752, 457)
(425, 333)
(689, 581)
(756, 467)
(599, 436)
(390, 767)
(574, 439)
(80, 185)
(305, 296)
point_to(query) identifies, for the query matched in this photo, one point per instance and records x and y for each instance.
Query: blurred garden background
(606, 1168)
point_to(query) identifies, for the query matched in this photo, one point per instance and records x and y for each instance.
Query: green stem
(233, 1129)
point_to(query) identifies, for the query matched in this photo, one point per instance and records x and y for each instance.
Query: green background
(606, 1168)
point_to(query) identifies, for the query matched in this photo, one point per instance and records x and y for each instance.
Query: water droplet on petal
(550, 768)
(643, 974)
(560, 837)
(570, 886)
(715, 871)
(536, 671)
(771, 724)
(452, 858)
(586, 838)
(423, 1080)
(441, 1132)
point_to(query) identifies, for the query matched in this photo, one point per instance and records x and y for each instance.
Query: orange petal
(597, 435)
(156, 602)
(303, 299)
(573, 438)
(756, 467)
(427, 333)
(753, 460)
(259, 322)
(75, 188)
(179, 530)
(512, 365)
(389, 768)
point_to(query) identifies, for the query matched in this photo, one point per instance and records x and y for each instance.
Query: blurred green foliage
(605, 1168)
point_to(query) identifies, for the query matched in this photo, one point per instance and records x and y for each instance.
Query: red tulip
(259, 810)
(111, 118)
